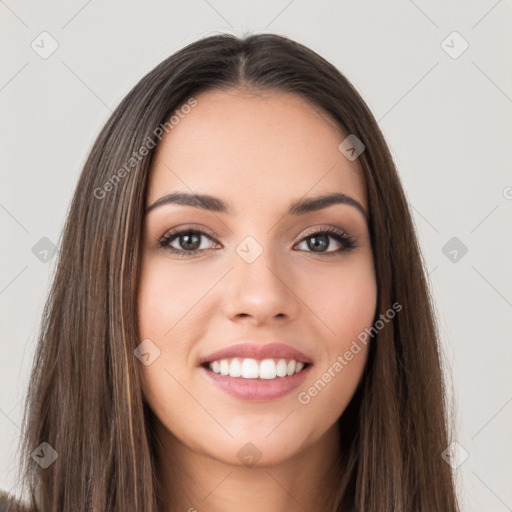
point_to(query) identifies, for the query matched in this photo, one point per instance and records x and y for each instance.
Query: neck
(192, 481)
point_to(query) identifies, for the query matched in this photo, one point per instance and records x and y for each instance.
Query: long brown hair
(84, 397)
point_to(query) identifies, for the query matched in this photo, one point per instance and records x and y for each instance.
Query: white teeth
(252, 369)
(267, 369)
(224, 367)
(235, 368)
(281, 368)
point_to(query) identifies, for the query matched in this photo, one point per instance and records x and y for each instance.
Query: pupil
(188, 244)
(319, 241)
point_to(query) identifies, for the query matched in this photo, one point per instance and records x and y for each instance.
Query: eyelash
(347, 242)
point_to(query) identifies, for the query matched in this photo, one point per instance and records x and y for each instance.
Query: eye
(319, 241)
(188, 241)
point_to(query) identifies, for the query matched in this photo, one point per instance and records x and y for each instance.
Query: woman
(240, 315)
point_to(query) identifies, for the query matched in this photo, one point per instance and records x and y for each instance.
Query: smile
(249, 387)
(256, 371)
(249, 368)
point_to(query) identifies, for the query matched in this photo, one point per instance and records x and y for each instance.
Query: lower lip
(257, 389)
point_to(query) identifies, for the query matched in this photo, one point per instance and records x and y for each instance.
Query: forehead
(254, 149)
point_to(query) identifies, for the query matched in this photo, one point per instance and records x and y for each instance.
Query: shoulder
(9, 504)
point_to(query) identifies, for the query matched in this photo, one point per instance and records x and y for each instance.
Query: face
(242, 269)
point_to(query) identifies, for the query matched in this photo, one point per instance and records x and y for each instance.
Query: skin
(258, 152)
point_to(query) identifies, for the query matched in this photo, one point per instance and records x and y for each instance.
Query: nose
(261, 292)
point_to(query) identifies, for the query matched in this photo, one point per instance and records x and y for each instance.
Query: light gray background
(447, 121)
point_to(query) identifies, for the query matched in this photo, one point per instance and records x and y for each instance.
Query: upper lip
(257, 351)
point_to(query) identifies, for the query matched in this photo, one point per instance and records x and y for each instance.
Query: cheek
(158, 313)
(167, 309)
(166, 295)
(347, 305)
(346, 302)
(162, 299)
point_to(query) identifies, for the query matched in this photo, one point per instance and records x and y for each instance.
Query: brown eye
(186, 242)
(320, 241)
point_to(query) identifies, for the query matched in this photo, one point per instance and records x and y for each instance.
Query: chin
(259, 448)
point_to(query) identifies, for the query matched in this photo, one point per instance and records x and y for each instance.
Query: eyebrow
(215, 204)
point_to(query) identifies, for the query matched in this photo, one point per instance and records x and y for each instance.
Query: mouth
(254, 369)
(256, 380)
